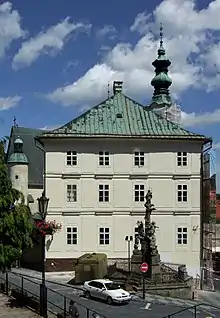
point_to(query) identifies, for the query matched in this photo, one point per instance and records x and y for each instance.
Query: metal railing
(195, 310)
(28, 291)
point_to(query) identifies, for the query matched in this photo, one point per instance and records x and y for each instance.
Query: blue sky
(57, 58)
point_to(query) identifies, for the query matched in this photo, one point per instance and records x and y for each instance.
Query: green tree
(15, 219)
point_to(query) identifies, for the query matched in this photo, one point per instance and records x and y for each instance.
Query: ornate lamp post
(42, 206)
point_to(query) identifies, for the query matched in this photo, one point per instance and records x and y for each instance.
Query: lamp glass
(43, 205)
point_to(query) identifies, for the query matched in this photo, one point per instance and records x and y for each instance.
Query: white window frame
(104, 235)
(71, 158)
(182, 193)
(139, 159)
(139, 192)
(182, 235)
(104, 192)
(71, 235)
(104, 158)
(71, 193)
(182, 159)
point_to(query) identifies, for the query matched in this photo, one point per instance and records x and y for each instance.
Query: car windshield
(112, 286)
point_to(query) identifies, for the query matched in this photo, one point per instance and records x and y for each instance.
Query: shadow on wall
(32, 257)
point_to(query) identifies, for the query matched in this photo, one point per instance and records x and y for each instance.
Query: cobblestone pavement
(9, 308)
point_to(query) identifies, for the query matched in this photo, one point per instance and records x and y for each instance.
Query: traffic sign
(144, 267)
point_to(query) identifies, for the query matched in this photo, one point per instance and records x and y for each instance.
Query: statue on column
(146, 232)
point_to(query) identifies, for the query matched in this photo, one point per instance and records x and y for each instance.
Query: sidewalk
(9, 309)
(209, 297)
(63, 277)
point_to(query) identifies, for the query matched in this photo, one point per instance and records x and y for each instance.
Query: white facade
(18, 174)
(167, 167)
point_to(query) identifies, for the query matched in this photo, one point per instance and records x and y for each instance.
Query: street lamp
(129, 239)
(42, 207)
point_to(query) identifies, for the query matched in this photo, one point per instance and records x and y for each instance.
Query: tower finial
(161, 50)
(108, 89)
(14, 121)
(161, 35)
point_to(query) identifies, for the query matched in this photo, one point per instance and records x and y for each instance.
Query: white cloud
(10, 27)
(188, 42)
(141, 23)
(96, 79)
(208, 118)
(107, 30)
(50, 127)
(9, 102)
(50, 41)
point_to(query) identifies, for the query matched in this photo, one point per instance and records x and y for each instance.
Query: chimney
(117, 87)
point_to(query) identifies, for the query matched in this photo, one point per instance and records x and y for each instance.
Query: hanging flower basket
(47, 227)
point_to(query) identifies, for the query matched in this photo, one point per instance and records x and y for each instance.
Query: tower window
(16, 177)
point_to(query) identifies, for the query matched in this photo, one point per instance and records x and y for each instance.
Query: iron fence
(28, 292)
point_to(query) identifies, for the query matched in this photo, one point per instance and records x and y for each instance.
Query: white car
(106, 290)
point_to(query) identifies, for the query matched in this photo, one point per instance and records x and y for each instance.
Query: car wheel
(109, 301)
(87, 294)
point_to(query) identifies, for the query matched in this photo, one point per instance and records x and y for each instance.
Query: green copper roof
(161, 81)
(18, 158)
(120, 116)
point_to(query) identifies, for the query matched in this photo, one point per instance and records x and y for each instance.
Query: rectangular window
(139, 193)
(71, 193)
(71, 236)
(182, 235)
(71, 158)
(103, 193)
(104, 236)
(139, 158)
(104, 158)
(181, 159)
(182, 193)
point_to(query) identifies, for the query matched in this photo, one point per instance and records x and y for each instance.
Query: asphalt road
(157, 307)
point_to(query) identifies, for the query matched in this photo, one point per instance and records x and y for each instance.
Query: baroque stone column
(146, 239)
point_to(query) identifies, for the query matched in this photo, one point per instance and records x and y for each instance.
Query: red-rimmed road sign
(144, 267)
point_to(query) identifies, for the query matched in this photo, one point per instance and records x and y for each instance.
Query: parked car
(106, 290)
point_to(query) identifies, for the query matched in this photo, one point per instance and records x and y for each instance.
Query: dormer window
(104, 159)
(139, 158)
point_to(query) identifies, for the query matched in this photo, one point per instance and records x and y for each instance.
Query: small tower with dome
(18, 168)
(162, 102)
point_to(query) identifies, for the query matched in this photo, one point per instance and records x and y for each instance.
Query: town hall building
(99, 166)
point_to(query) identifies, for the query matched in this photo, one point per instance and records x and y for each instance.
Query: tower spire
(161, 81)
(161, 36)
